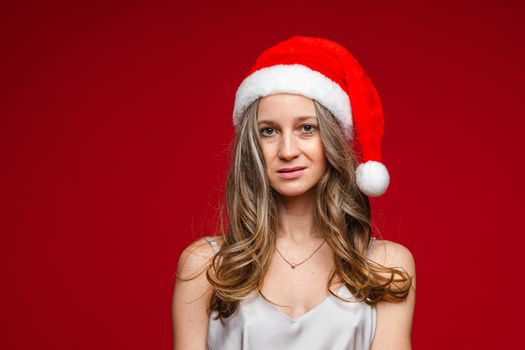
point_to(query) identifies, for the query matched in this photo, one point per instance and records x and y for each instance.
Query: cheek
(266, 152)
(317, 153)
(322, 164)
(267, 158)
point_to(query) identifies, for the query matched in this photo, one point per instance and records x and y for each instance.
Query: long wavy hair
(248, 221)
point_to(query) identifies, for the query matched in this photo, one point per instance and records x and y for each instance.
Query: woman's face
(289, 137)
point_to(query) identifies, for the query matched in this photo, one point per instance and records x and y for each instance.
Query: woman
(296, 266)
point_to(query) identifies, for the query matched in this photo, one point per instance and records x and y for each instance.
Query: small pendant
(293, 266)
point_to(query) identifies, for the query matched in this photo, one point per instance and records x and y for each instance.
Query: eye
(309, 128)
(263, 130)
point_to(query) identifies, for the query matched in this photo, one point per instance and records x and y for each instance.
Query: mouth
(291, 173)
(289, 170)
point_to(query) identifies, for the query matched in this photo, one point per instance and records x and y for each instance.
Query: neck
(296, 219)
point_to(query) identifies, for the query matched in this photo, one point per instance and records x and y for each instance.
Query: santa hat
(324, 71)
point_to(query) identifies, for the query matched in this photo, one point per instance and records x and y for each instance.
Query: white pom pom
(372, 178)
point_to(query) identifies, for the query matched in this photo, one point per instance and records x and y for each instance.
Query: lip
(291, 174)
(291, 169)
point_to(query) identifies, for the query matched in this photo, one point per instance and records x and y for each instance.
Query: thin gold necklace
(293, 265)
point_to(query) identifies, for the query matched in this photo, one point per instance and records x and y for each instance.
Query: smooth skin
(289, 137)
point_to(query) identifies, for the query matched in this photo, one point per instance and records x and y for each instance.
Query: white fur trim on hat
(372, 178)
(294, 78)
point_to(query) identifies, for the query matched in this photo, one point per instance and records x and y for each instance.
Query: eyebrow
(301, 118)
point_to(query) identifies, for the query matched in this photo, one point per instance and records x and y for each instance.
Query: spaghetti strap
(211, 240)
(372, 240)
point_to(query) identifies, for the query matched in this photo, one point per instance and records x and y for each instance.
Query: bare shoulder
(195, 258)
(394, 320)
(191, 295)
(392, 254)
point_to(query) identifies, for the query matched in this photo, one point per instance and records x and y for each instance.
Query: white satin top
(258, 325)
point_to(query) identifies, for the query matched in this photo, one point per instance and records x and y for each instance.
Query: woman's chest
(295, 291)
(333, 324)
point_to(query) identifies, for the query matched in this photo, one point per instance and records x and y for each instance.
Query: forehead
(281, 107)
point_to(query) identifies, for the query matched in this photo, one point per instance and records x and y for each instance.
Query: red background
(115, 121)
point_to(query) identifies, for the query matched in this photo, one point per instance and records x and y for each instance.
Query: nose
(288, 148)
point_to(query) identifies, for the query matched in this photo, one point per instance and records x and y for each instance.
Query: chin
(292, 191)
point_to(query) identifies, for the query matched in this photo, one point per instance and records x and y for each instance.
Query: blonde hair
(248, 223)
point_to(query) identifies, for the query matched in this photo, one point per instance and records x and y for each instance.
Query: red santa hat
(327, 72)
